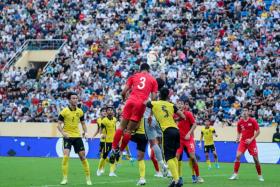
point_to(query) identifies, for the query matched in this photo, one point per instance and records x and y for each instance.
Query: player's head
(144, 67)
(110, 110)
(207, 123)
(103, 111)
(160, 83)
(164, 93)
(245, 112)
(181, 104)
(73, 98)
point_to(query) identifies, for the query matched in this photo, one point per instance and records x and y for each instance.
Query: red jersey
(141, 84)
(186, 125)
(247, 128)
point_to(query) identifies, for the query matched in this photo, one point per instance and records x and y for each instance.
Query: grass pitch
(46, 172)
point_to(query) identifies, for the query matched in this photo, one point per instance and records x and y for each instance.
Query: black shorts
(77, 143)
(141, 141)
(104, 149)
(208, 148)
(171, 142)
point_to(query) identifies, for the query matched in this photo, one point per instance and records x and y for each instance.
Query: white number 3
(142, 83)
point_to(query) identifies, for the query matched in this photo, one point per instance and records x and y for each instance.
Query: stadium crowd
(217, 55)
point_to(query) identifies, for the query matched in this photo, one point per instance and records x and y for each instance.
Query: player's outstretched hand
(237, 141)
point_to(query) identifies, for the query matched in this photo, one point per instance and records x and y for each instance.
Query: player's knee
(104, 156)
(140, 155)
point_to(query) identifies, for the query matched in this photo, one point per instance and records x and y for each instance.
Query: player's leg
(126, 114)
(241, 150)
(155, 163)
(80, 149)
(152, 134)
(215, 157)
(179, 156)
(131, 126)
(67, 143)
(142, 142)
(138, 109)
(253, 150)
(206, 152)
(102, 161)
(112, 165)
(191, 150)
(191, 166)
(171, 142)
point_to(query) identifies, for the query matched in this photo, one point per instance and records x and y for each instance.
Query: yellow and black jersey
(208, 135)
(163, 112)
(99, 123)
(141, 129)
(71, 119)
(109, 128)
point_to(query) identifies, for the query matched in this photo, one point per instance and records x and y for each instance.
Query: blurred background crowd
(217, 55)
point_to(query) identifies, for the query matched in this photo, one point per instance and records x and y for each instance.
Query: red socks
(125, 140)
(117, 139)
(195, 167)
(236, 166)
(258, 168)
(153, 158)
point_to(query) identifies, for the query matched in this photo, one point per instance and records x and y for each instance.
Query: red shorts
(252, 148)
(133, 110)
(189, 144)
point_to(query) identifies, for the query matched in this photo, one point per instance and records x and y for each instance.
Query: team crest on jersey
(77, 114)
(250, 124)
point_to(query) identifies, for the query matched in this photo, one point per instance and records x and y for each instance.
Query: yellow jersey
(71, 119)
(141, 129)
(208, 135)
(163, 112)
(99, 123)
(109, 127)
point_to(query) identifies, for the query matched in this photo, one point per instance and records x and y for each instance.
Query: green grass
(45, 172)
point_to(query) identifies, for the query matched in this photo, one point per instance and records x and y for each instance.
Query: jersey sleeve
(62, 115)
(82, 116)
(256, 125)
(213, 130)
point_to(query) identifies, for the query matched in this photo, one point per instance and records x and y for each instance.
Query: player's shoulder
(212, 128)
(252, 120)
(203, 129)
(64, 110)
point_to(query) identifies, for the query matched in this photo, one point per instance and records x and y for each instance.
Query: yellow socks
(180, 171)
(208, 163)
(173, 169)
(86, 167)
(142, 169)
(101, 163)
(65, 162)
(112, 168)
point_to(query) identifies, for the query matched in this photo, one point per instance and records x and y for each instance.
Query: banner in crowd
(52, 147)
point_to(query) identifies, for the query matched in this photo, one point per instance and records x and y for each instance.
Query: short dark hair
(160, 83)
(164, 93)
(110, 106)
(70, 94)
(103, 108)
(144, 66)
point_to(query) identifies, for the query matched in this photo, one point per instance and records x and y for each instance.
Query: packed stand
(217, 55)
